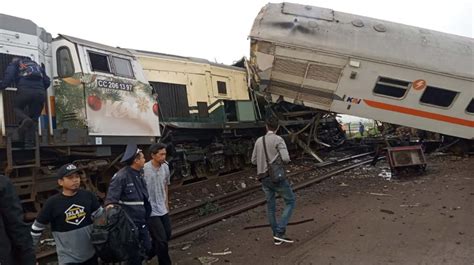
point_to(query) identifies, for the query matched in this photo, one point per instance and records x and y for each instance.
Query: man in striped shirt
(70, 215)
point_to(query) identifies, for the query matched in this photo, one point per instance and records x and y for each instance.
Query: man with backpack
(70, 215)
(31, 81)
(269, 149)
(128, 189)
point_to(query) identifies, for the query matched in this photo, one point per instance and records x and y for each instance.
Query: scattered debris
(220, 253)
(343, 184)
(181, 245)
(380, 194)
(410, 205)
(387, 211)
(386, 174)
(207, 260)
(185, 247)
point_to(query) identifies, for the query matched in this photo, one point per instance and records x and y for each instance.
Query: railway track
(190, 218)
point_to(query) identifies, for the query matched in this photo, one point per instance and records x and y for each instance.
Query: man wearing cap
(70, 215)
(128, 189)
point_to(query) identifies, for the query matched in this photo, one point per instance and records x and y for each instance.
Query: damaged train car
(209, 117)
(366, 67)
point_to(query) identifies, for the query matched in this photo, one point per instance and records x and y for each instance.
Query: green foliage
(208, 208)
(70, 105)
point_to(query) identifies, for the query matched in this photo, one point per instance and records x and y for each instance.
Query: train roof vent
(391, 87)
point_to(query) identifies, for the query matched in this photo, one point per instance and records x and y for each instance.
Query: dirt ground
(359, 218)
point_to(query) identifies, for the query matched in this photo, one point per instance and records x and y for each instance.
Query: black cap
(66, 170)
(130, 152)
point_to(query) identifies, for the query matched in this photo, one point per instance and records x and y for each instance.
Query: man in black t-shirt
(70, 214)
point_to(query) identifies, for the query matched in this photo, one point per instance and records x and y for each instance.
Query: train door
(221, 91)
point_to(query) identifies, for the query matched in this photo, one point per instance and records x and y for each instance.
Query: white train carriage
(365, 67)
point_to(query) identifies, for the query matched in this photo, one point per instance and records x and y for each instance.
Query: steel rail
(203, 222)
(179, 212)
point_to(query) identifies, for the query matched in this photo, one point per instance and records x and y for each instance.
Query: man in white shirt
(157, 177)
(275, 149)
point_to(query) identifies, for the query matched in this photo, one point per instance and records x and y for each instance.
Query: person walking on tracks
(267, 150)
(31, 82)
(16, 247)
(157, 177)
(70, 214)
(361, 129)
(128, 189)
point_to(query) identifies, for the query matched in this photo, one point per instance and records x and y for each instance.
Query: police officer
(31, 82)
(128, 189)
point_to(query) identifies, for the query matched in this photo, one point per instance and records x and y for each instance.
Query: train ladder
(23, 176)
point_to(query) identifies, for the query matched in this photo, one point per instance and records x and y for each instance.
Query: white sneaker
(283, 238)
(277, 242)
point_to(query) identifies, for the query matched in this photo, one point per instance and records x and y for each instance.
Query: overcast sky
(213, 30)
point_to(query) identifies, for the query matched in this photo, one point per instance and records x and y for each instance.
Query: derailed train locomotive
(104, 97)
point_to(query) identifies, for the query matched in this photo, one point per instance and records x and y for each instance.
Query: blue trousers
(284, 190)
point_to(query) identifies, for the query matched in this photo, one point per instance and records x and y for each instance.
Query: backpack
(276, 170)
(29, 69)
(114, 235)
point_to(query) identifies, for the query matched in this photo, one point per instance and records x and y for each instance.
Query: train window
(64, 61)
(391, 87)
(99, 62)
(221, 87)
(438, 96)
(470, 107)
(123, 67)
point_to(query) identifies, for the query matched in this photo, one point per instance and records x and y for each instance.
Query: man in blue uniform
(128, 189)
(31, 82)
